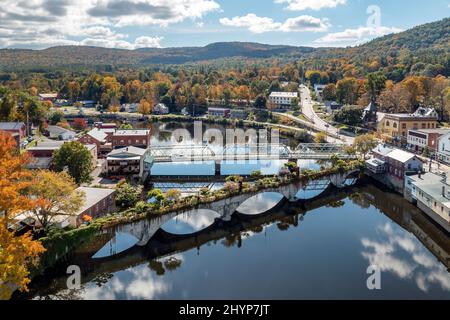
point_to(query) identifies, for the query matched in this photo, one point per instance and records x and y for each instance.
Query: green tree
(375, 83)
(56, 117)
(260, 102)
(74, 157)
(126, 126)
(127, 196)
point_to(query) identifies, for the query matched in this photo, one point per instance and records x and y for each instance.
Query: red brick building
(14, 128)
(134, 138)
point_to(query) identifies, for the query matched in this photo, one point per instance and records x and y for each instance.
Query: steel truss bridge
(196, 153)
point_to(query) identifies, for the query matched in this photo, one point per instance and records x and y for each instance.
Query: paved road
(307, 105)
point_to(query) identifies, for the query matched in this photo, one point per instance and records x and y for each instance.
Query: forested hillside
(421, 49)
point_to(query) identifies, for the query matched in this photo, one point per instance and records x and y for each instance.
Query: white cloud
(141, 42)
(351, 37)
(43, 23)
(300, 5)
(257, 24)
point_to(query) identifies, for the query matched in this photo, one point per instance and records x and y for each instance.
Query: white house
(281, 100)
(160, 108)
(444, 148)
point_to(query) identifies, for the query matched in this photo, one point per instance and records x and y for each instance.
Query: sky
(133, 24)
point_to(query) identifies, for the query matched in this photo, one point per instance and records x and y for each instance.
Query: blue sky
(132, 24)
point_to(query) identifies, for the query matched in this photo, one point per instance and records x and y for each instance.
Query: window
(387, 123)
(395, 125)
(424, 125)
(404, 126)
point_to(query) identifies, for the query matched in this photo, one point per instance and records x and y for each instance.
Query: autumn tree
(17, 253)
(145, 107)
(74, 157)
(173, 194)
(363, 144)
(320, 137)
(56, 196)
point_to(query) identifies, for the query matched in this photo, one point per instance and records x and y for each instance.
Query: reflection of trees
(336, 204)
(283, 226)
(73, 294)
(102, 279)
(232, 240)
(360, 200)
(172, 263)
(160, 267)
(157, 266)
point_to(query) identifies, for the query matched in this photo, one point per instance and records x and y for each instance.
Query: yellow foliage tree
(17, 253)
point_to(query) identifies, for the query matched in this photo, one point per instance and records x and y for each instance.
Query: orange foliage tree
(17, 253)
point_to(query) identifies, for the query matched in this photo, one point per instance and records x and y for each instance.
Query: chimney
(420, 174)
(443, 191)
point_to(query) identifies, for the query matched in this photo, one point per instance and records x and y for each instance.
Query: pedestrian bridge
(246, 152)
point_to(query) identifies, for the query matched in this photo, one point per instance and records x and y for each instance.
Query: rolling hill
(429, 39)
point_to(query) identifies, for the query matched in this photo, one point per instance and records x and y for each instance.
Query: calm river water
(320, 250)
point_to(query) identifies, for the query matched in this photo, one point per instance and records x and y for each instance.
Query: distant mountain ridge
(432, 37)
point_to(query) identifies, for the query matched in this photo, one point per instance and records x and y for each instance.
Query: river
(320, 250)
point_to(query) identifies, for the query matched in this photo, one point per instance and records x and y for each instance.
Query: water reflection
(120, 242)
(323, 248)
(400, 253)
(194, 221)
(260, 203)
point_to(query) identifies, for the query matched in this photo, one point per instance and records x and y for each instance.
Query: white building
(444, 148)
(318, 89)
(160, 108)
(281, 100)
(431, 191)
(129, 161)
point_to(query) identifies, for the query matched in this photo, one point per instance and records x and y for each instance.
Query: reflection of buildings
(431, 192)
(413, 220)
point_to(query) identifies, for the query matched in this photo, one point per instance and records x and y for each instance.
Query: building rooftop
(48, 95)
(382, 149)
(409, 116)
(93, 196)
(441, 131)
(284, 94)
(129, 150)
(47, 145)
(97, 134)
(400, 155)
(58, 130)
(133, 132)
(11, 125)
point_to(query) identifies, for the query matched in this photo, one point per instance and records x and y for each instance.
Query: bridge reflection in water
(164, 250)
